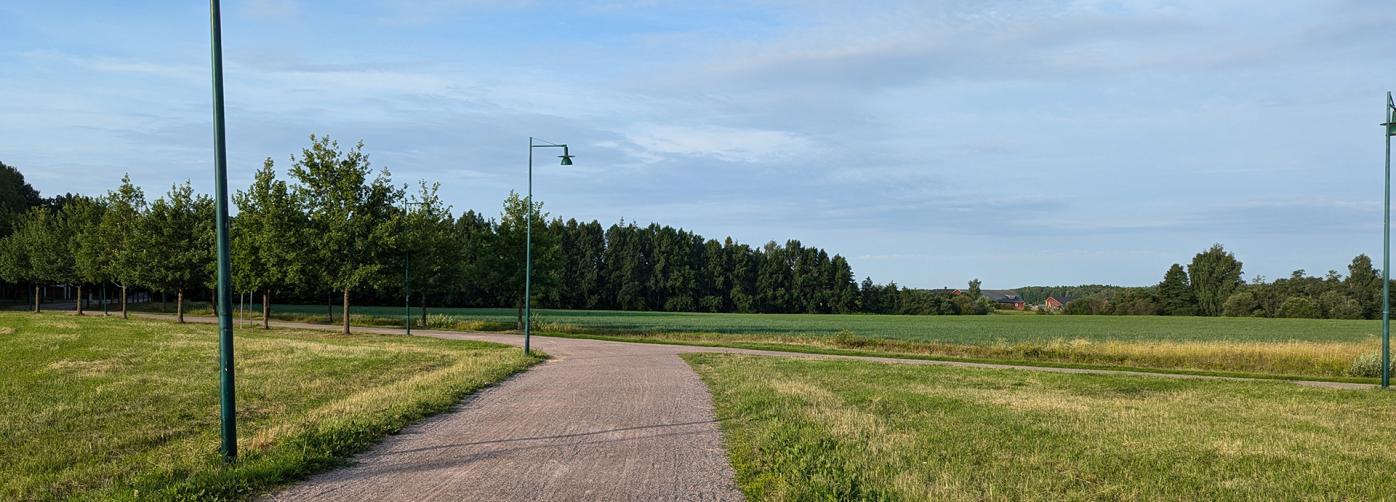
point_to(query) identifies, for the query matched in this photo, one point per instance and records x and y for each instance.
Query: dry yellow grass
(1331, 359)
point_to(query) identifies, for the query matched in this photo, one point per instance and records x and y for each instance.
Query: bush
(1240, 304)
(1299, 307)
(1091, 305)
(440, 321)
(1336, 305)
(1366, 365)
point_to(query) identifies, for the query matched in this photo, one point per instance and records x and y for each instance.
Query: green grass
(1305, 348)
(99, 408)
(827, 430)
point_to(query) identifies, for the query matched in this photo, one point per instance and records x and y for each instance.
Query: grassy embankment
(100, 408)
(1297, 348)
(800, 429)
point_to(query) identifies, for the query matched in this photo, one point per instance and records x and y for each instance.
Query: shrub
(1240, 304)
(1299, 307)
(846, 338)
(440, 321)
(1336, 305)
(1366, 365)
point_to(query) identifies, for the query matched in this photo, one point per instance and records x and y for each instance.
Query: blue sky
(1021, 142)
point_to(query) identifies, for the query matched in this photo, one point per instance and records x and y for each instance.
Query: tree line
(1212, 285)
(336, 230)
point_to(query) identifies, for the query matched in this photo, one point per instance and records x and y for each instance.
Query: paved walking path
(595, 422)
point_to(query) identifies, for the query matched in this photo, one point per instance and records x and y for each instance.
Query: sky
(929, 142)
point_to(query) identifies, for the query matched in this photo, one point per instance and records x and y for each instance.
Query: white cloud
(727, 144)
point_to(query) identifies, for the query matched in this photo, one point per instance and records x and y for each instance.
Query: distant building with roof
(1004, 298)
(1057, 302)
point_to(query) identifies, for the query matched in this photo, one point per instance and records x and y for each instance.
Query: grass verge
(102, 409)
(843, 430)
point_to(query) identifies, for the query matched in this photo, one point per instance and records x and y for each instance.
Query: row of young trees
(1212, 285)
(334, 226)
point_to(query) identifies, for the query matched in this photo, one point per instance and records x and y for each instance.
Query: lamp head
(566, 158)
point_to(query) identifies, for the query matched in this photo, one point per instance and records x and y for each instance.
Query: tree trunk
(266, 310)
(124, 314)
(179, 306)
(329, 308)
(79, 302)
(346, 311)
(424, 309)
(38, 298)
(105, 311)
(213, 302)
(162, 302)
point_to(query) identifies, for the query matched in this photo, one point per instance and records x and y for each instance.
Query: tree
(50, 259)
(1215, 274)
(1135, 301)
(845, 291)
(14, 258)
(1299, 307)
(974, 291)
(1363, 284)
(178, 234)
(434, 252)
(16, 197)
(91, 265)
(1091, 305)
(1335, 305)
(267, 243)
(1175, 294)
(476, 237)
(1241, 304)
(119, 235)
(350, 216)
(507, 259)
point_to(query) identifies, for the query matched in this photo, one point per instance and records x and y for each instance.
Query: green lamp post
(227, 408)
(407, 274)
(1389, 128)
(528, 240)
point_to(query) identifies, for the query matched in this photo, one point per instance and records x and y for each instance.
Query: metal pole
(1386, 257)
(528, 251)
(407, 286)
(228, 414)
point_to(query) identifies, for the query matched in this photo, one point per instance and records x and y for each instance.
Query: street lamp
(407, 272)
(227, 409)
(528, 241)
(1390, 130)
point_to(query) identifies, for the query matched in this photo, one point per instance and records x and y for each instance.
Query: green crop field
(99, 408)
(949, 329)
(1308, 348)
(1304, 348)
(839, 430)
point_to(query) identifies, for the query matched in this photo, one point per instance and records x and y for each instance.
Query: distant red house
(1055, 303)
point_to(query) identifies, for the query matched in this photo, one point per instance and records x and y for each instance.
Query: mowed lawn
(803, 430)
(100, 408)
